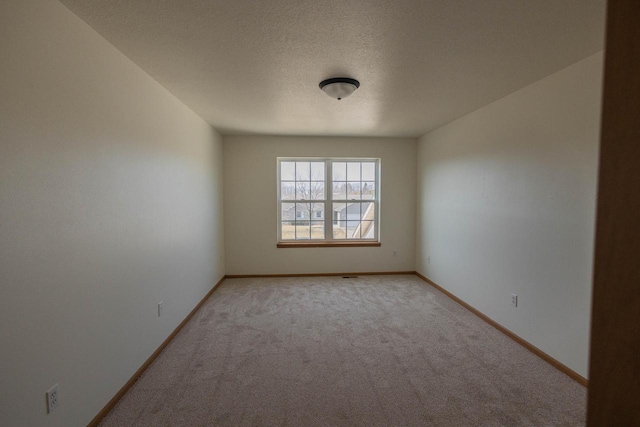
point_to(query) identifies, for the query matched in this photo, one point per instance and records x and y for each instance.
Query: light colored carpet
(328, 351)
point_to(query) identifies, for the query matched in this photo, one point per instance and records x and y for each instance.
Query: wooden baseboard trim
(535, 350)
(561, 367)
(367, 273)
(109, 406)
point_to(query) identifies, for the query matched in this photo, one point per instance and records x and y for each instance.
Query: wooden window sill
(328, 244)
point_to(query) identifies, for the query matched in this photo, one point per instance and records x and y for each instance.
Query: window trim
(328, 209)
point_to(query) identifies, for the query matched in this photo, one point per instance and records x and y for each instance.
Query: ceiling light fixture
(339, 87)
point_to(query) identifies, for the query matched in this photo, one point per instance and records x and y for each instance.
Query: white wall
(506, 204)
(110, 201)
(251, 206)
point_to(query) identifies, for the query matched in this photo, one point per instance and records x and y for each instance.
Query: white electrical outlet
(429, 259)
(53, 399)
(160, 308)
(514, 300)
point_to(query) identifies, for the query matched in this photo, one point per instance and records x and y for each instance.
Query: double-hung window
(328, 201)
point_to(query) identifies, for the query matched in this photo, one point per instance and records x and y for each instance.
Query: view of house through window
(328, 199)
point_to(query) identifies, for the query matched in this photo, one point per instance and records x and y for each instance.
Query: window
(345, 189)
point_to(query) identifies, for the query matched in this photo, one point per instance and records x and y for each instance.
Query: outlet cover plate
(53, 399)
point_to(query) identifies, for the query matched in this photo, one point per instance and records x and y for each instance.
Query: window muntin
(310, 188)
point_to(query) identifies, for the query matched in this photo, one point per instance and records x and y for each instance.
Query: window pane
(287, 190)
(303, 191)
(302, 231)
(288, 211)
(339, 171)
(316, 191)
(353, 190)
(369, 190)
(368, 212)
(287, 171)
(353, 229)
(339, 212)
(287, 230)
(302, 211)
(339, 230)
(317, 230)
(339, 191)
(303, 171)
(368, 171)
(353, 171)
(317, 211)
(317, 171)
(367, 229)
(353, 212)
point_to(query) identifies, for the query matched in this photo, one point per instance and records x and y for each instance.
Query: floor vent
(349, 277)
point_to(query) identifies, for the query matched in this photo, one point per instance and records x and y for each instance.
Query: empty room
(317, 213)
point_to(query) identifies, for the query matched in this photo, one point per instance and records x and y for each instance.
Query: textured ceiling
(250, 66)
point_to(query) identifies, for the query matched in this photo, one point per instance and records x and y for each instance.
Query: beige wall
(251, 205)
(506, 204)
(110, 201)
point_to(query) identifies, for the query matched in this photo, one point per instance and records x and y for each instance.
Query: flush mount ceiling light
(339, 87)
